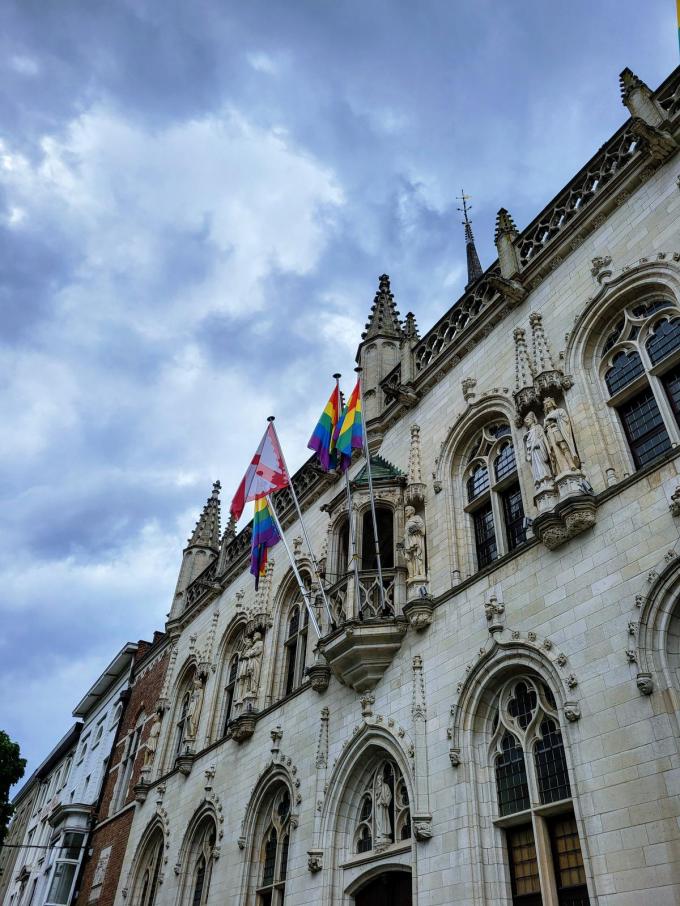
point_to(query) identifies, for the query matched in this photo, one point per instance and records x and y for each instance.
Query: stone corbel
(406, 394)
(422, 827)
(184, 763)
(315, 860)
(659, 143)
(674, 505)
(511, 290)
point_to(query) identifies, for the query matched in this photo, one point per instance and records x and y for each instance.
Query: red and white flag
(266, 473)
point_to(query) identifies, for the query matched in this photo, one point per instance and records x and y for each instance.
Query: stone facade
(502, 718)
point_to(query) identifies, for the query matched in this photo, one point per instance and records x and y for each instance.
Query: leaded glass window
(271, 887)
(384, 815)
(639, 366)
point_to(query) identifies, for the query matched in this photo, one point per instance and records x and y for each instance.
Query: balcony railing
(343, 601)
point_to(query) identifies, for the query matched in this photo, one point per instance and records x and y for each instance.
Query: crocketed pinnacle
(383, 320)
(504, 224)
(207, 531)
(411, 331)
(474, 268)
(629, 81)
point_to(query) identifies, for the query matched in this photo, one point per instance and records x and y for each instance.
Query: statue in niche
(560, 438)
(253, 656)
(414, 544)
(537, 450)
(242, 675)
(152, 741)
(194, 709)
(383, 801)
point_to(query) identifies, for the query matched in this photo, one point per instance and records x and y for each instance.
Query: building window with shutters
(534, 797)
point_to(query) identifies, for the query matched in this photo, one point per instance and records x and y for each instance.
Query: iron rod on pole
(350, 525)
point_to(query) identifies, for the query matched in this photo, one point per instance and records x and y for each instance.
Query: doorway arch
(389, 888)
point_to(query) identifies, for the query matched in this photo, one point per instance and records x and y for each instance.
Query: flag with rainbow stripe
(349, 432)
(322, 440)
(265, 535)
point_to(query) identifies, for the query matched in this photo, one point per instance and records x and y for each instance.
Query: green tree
(12, 767)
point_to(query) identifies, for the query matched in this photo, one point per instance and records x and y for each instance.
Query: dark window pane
(294, 622)
(284, 858)
(526, 886)
(522, 705)
(511, 778)
(664, 340)
(366, 809)
(505, 462)
(570, 876)
(513, 512)
(385, 522)
(551, 766)
(625, 368)
(648, 308)
(613, 337)
(671, 381)
(499, 430)
(478, 482)
(291, 652)
(62, 881)
(198, 886)
(485, 536)
(269, 858)
(644, 427)
(365, 842)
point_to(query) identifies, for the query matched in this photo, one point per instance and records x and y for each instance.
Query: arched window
(200, 860)
(273, 867)
(295, 647)
(127, 763)
(148, 872)
(384, 813)
(342, 549)
(492, 494)
(385, 521)
(180, 726)
(640, 367)
(531, 773)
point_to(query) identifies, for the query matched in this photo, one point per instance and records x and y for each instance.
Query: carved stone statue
(194, 709)
(152, 741)
(254, 664)
(242, 676)
(537, 450)
(383, 801)
(414, 544)
(560, 438)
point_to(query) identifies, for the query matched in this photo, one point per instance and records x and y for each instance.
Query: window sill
(543, 811)
(394, 849)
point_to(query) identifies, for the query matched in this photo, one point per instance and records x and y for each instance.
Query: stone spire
(543, 360)
(639, 99)
(411, 331)
(383, 320)
(207, 531)
(504, 237)
(474, 268)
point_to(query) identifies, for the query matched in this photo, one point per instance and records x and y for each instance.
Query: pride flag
(265, 535)
(322, 440)
(349, 433)
(266, 473)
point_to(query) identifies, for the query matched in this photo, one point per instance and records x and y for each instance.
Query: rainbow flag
(265, 535)
(349, 432)
(322, 440)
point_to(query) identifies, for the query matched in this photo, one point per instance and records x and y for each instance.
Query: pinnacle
(474, 268)
(504, 224)
(384, 317)
(207, 531)
(628, 81)
(411, 331)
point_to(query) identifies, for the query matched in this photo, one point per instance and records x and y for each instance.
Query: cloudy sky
(196, 200)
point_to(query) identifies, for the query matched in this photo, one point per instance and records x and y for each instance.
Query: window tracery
(384, 811)
(271, 889)
(640, 367)
(201, 858)
(492, 493)
(295, 647)
(148, 875)
(531, 773)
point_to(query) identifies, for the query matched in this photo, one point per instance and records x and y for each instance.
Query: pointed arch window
(148, 875)
(271, 887)
(385, 521)
(180, 726)
(530, 769)
(201, 857)
(230, 690)
(384, 815)
(492, 494)
(640, 367)
(295, 647)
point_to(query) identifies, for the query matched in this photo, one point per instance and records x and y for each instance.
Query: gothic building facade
(496, 719)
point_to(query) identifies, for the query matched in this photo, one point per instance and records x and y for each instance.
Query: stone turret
(379, 351)
(201, 549)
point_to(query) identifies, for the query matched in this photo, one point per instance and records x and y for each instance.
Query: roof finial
(207, 531)
(474, 268)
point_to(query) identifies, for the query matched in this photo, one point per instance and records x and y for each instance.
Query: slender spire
(207, 531)
(474, 268)
(384, 318)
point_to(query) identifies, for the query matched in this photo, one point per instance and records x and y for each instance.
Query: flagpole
(350, 523)
(370, 491)
(303, 590)
(302, 525)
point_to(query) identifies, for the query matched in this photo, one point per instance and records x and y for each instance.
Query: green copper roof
(380, 468)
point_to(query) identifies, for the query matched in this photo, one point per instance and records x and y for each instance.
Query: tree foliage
(12, 767)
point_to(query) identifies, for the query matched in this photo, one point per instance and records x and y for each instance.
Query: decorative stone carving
(525, 394)
(184, 763)
(419, 611)
(414, 545)
(560, 438)
(454, 756)
(572, 711)
(276, 735)
(674, 505)
(495, 614)
(571, 681)
(319, 676)
(468, 386)
(243, 726)
(422, 828)
(152, 740)
(537, 452)
(645, 683)
(315, 860)
(195, 707)
(415, 489)
(600, 269)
